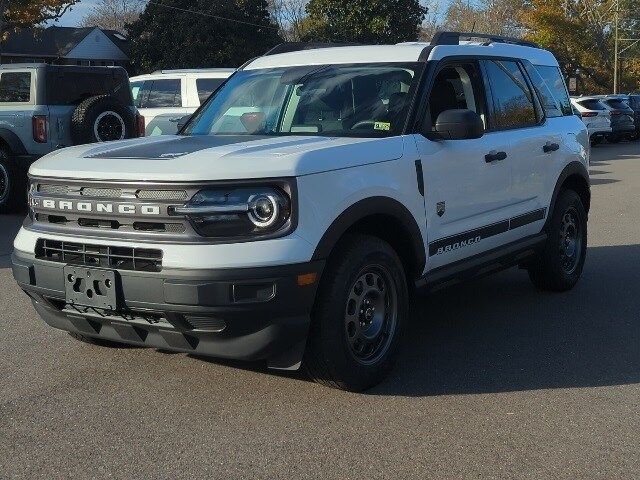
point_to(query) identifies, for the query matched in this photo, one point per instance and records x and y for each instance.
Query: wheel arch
(574, 176)
(385, 218)
(12, 141)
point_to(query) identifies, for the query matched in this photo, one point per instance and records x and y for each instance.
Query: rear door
(160, 102)
(517, 113)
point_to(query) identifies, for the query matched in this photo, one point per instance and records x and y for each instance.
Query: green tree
(581, 35)
(373, 21)
(201, 33)
(16, 14)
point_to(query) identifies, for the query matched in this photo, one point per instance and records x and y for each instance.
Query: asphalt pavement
(495, 380)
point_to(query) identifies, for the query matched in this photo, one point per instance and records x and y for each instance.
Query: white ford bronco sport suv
(293, 215)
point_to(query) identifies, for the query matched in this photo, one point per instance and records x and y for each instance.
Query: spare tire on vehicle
(101, 119)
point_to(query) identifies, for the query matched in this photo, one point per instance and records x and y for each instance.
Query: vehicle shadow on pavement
(499, 334)
(9, 226)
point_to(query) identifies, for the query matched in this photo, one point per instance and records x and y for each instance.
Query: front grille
(122, 258)
(112, 193)
(161, 194)
(101, 192)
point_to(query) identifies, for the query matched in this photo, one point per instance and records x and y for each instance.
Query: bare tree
(290, 16)
(113, 14)
(17, 14)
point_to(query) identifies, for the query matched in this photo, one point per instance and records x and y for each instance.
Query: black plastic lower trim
(483, 263)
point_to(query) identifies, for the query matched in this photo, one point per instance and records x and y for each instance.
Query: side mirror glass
(460, 124)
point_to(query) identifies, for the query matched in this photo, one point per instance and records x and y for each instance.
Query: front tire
(358, 319)
(560, 264)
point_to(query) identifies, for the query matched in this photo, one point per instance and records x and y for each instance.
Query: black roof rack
(454, 38)
(298, 46)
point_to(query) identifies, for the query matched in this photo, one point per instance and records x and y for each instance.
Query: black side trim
(468, 238)
(484, 263)
(473, 236)
(420, 177)
(527, 218)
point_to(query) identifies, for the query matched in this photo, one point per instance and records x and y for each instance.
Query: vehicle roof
(400, 53)
(195, 73)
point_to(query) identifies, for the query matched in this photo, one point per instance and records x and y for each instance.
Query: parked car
(166, 96)
(47, 107)
(295, 213)
(595, 116)
(622, 118)
(633, 100)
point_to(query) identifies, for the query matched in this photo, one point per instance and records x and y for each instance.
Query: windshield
(332, 100)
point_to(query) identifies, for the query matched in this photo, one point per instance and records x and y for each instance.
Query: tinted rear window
(66, 87)
(159, 94)
(554, 83)
(206, 86)
(15, 87)
(619, 104)
(513, 100)
(592, 104)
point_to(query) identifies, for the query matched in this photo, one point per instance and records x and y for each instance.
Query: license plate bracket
(91, 287)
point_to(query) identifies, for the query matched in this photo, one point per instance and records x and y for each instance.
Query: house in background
(66, 46)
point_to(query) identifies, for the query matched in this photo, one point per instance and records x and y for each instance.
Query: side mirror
(182, 121)
(459, 125)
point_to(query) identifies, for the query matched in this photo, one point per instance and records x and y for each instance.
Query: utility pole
(615, 55)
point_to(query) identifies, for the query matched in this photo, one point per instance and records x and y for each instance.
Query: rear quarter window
(553, 84)
(15, 87)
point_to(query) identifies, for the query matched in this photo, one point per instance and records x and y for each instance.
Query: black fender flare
(573, 168)
(367, 207)
(13, 141)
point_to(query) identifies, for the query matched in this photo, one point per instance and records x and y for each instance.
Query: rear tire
(359, 315)
(99, 341)
(560, 264)
(12, 185)
(611, 138)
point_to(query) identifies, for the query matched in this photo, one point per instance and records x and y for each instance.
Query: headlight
(237, 213)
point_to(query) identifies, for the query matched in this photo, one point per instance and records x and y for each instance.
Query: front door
(467, 182)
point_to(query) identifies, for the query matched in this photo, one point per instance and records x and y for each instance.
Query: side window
(15, 87)
(550, 103)
(457, 87)
(206, 86)
(512, 99)
(136, 92)
(163, 94)
(555, 83)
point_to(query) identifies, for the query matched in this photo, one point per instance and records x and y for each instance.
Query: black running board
(484, 263)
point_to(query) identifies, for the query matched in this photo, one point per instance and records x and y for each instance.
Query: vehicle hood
(198, 158)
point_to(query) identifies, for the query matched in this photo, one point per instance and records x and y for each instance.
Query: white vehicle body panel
(600, 123)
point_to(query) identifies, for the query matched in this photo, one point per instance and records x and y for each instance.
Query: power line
(194, 12)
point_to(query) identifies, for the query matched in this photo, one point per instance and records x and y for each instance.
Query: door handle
(494, 156)
(550, 147)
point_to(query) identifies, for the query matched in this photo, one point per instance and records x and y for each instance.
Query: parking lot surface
(495, 380)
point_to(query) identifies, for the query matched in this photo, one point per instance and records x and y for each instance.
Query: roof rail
(298, 46)
(195, 70)
(454, 38)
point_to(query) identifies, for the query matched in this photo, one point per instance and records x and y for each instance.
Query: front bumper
(245, 314)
